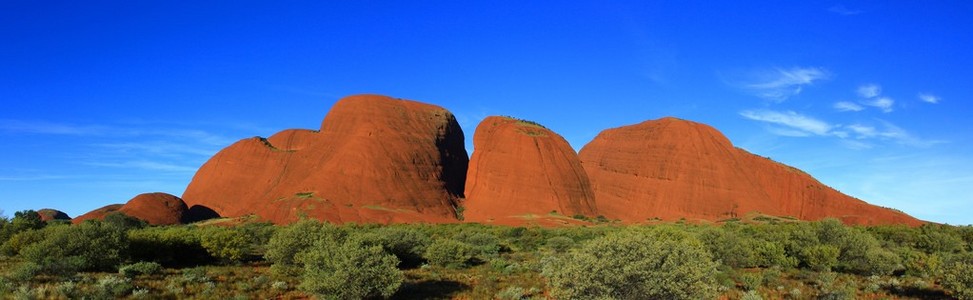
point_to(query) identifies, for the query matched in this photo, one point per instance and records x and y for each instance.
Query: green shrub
(140, 268)
(751, 281)
(407, 245)
(934, 238)
(726, 244)
(230, 244)
(349, 271)
(820, 257)
(635, 264)
(449, 253)
(18, 241)
(113, 287)
(560, 244)
(486, 246)
(920, 264)
(90, 246)
(751, 295)
(881, 262)
(957, 277)
(195, 275)
(124, 222)
(173, 246)
(287, 242)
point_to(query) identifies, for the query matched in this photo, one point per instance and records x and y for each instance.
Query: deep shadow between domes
(198, 213)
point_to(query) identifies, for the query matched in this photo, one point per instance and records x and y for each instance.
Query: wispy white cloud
(869, 91)
(847, 106)
(844, 11)
(43, 127)
(793, 123)
(929, 98)
(882, 103)
(897, 134)
(780, 84)
(862, 131)
(855, 136)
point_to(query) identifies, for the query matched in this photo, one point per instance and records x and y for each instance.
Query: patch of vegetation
(785, 260)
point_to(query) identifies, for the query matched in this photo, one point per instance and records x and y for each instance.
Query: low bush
(958, 276)
(90, 246)
(140, 268)
(820, 258)
(449, 253)
(349, 271)
(287, 242)
(406, 244)
(635, 264)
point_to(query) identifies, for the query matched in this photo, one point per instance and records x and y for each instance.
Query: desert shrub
(349, 271)
(771, 254)
(259, 234)
(486, 246)
(406, 244)
(820, 257)
(449, 253)
(287, 242)
(726, 244)
(560, 244)
(195, 275)
(113, 287)
(881, 262)
(124, 222)
(751, 295)
(140, 268)
(229, 244)
(27, 220)
(751, 281)
(635, 264)
(90, 246)
(169, 246)
(68, 290)
(919, 264)
(21, 240)
(957, 277)
(934, 238)
(512, 293)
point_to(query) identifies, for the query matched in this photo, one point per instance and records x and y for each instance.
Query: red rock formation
(521, 171)
(156, 208)
(49, 214)
(375, 159)
(153, 208)
(97, 214)
(671, 168)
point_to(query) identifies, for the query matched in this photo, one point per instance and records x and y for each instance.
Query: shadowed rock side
(156, 208)
(520, 171)
(375, 159)
(49, 214)
(97, 214)
(671, 168)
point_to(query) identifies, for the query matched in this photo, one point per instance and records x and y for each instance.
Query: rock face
(522, 170)
(671, 168)
(156, 208)
(153, 208)
(97, 214)
(374, 159)
(49, 214)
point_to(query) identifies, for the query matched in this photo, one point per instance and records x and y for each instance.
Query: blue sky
(105, 100)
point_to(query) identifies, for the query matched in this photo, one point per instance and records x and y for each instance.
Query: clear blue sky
(105, 100)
